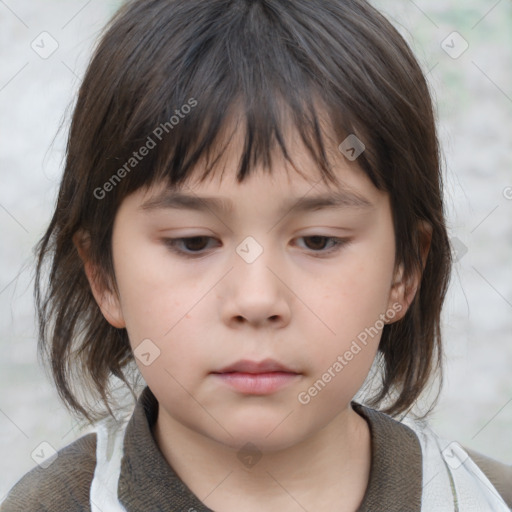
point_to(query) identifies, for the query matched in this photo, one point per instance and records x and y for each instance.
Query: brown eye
(318, 242)
(196, 243)
(323, 245)
(193, 246)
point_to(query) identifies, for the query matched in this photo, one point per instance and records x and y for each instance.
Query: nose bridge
(254, 261)
(250, 250)
(254, 292)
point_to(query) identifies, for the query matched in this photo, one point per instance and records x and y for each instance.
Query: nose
(256, 294)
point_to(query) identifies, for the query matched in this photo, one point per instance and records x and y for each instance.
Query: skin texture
(296, 303)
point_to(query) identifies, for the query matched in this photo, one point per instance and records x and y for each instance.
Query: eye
(196, 246)
(317, 243)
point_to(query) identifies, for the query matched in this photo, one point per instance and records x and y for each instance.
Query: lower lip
(257, 383)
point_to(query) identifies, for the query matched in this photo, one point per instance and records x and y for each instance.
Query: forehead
(279, 192)
(297, 176)
(224, 205)
(292, 181)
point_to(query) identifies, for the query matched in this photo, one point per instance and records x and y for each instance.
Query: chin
(254, 444)
(265, 436)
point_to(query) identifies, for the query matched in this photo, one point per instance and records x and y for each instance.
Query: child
(257, 127)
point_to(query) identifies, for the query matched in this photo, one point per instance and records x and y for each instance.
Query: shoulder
(63, 485)
(498, 473)
(472, 475)
(415, 454)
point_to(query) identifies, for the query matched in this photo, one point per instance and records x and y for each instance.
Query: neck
(328, 470)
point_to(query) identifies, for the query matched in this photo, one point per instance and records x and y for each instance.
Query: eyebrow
(331, 200)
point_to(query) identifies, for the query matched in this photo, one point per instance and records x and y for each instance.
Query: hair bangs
(252, 75)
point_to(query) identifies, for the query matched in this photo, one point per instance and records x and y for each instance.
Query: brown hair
(155, 57)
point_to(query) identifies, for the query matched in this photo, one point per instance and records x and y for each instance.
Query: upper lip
(247, 366)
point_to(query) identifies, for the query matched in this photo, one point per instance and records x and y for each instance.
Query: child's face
(317, 312)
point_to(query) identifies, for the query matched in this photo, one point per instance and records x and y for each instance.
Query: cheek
(358, 293)
(160, 305)
(353, 305)
(353, 313)
(151, 296)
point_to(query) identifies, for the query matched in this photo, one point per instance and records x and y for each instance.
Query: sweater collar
(148, 482)
(395, 482)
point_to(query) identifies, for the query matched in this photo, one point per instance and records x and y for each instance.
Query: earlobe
(111, 309)
(404, 288)
(107, 300)
(397, 297)
(401, 295)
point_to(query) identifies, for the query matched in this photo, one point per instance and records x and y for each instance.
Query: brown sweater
(148, 483)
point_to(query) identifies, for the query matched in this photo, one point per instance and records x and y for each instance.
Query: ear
(404, 288)
(107, 300)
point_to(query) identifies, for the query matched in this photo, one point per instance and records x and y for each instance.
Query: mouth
(255, 367)
(257, 378)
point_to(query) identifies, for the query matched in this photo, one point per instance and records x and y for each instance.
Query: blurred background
(466, 50)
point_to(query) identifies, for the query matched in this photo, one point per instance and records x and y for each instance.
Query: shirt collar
(148, 482)
(395, 482)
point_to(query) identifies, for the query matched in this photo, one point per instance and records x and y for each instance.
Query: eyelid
(338, 243)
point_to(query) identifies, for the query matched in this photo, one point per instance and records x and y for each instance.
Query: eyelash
(172, 243)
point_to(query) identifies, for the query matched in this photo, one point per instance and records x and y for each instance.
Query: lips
(256, 377)
(254, 367)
